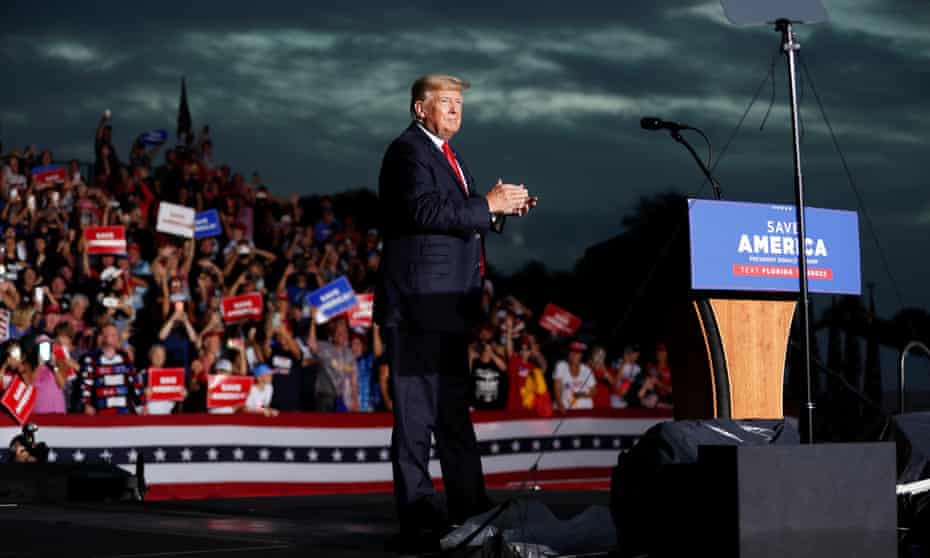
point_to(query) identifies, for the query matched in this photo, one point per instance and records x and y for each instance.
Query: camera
(24, 449)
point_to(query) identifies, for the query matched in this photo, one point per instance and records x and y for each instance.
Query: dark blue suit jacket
(430, 278)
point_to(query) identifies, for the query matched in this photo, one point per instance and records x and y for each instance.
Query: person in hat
(223, 366)
(259, 400)
(574, 381)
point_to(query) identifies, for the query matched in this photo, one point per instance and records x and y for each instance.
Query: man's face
(340, 334)
(109, 338)
(574, 357)
(441, 112)
(77, 309)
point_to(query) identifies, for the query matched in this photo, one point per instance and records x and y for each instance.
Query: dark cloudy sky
(310, 94)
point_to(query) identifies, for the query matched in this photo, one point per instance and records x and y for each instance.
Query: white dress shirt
(438, 141)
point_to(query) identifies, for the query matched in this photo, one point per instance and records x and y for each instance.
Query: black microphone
(653, 123)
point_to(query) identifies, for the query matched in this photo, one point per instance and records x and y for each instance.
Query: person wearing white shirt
(157, 357)
(574, 381)
(259, 400)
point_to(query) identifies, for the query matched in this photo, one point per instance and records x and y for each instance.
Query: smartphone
(276, 320)
(45, 351)
(15, 353)
(31, 202)
(39, 296)
(55, 199)
(14, 194)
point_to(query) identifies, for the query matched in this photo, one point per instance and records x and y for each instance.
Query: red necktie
(450, 156)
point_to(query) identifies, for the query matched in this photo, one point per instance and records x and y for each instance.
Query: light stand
(790, 48)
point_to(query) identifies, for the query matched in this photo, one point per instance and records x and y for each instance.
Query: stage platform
(334, 526)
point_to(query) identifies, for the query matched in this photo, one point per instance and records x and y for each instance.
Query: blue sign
(754, 247)
(207, 223)
(332, 299)
(154, 137)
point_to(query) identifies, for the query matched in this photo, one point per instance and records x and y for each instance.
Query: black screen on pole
(761, 12)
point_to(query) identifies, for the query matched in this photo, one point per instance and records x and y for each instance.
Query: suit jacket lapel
(440, 160)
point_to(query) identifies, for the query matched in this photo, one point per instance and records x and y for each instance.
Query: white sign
(176, 219)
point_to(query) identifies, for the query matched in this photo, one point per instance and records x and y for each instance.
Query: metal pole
(790, 47)
(907, 348)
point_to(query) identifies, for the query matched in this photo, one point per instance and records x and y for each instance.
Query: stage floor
(352, 525)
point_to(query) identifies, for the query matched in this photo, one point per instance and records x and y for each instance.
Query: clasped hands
(510, 199)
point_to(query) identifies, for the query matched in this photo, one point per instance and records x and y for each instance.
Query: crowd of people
(113, 317)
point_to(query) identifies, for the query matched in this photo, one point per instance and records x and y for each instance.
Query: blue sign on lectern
(738, 246)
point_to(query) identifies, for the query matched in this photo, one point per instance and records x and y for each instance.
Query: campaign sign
(50, 174)
(332, 299)
(207, 223)
(242, 308)
(105, 240)
(559, 321)
(361, 316)
(166, 384)
(176, 219)
(19, 399)
(228, 391)
(154, 137)
(739, 246)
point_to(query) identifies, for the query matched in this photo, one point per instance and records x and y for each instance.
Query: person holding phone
(11, 362)
(45, 374)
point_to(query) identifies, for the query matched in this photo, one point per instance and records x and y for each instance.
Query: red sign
(19, 399)
(166, 384)
(50, 176)
(360, 316)
(228, 391)
(242, 308)
(105, 240)
(559, 321)
(789, 271)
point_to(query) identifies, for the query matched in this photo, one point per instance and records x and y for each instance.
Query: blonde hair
(433, 82)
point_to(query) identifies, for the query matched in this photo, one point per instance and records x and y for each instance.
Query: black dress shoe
(422, 526)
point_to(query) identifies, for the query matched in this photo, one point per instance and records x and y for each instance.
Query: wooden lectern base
(735, 367)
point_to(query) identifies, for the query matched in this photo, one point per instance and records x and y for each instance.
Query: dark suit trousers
(430, 383)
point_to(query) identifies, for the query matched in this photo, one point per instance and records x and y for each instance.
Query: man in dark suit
(427, 300)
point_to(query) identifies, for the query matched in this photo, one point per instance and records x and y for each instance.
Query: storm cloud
(310, 94)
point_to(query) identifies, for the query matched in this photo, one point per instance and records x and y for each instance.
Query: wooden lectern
(733, 336)
(734, 351)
